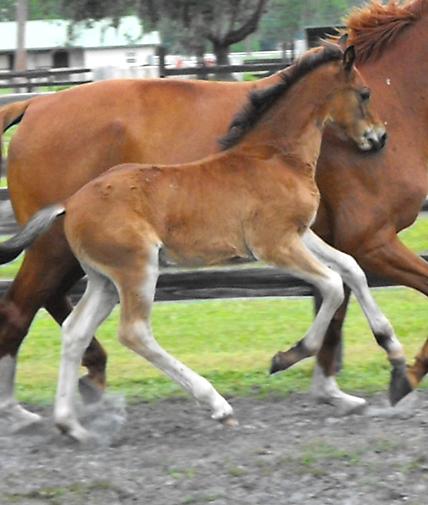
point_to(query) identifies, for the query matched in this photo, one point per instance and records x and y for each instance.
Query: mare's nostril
(383, 139)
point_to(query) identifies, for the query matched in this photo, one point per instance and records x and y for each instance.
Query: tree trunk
(21, 19)
(200, 60)
(221, 52)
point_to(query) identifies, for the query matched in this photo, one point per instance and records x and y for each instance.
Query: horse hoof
(399, 385)
(283, 360)
(229, 421)
(75, 433)
(278, 363)
(89, 391)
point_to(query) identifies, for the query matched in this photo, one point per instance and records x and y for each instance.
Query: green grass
(230, 343)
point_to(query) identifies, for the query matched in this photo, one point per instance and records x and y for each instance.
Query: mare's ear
(348, 58)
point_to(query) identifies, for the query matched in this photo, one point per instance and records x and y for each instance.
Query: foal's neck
(294, 125)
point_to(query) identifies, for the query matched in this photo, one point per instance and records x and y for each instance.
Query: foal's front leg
(355, 278)
(292, 255)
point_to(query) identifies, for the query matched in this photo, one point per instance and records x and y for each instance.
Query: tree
(21, 20)
(286, 19)
(220, 23)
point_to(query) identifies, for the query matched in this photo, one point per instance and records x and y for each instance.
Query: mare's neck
(399, 76)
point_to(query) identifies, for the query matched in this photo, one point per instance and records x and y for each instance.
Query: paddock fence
(202, 284)
(31, 79)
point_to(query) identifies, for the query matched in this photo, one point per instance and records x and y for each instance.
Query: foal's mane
(371, 27)
(260, 101)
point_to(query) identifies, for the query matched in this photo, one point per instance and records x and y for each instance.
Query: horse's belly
(206, 254)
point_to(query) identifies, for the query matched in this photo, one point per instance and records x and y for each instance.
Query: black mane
(260, 101)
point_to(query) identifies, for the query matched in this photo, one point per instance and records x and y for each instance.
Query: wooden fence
(31, 79)
(208, 283)
(203, 71)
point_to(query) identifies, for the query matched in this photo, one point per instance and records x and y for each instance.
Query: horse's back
(65, 140)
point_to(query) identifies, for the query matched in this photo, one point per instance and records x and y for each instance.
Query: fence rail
(37, 78)
(202, 284)
(205, 70)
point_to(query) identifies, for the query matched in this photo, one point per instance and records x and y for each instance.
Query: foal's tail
(38, 224)
(11, 114)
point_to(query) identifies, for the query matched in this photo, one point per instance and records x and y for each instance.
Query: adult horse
(66, 139)
(255, 200)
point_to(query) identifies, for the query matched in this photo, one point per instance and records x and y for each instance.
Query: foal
(256, 200)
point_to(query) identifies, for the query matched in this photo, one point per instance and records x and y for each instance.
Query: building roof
(45, 34)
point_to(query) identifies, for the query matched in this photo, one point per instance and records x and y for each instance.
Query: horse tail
(10, 115)
(38, 224)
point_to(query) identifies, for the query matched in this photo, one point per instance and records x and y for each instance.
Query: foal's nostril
(382, 140)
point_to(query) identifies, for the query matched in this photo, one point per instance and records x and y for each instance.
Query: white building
(59, 44)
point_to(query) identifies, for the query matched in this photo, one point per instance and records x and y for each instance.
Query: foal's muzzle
(374, 139)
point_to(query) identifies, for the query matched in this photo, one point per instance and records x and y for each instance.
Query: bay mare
(256, 200)
(65, 140)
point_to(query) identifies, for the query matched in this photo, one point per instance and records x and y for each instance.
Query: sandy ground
(286, 450)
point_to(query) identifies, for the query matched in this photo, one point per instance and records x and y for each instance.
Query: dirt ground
(286, 450)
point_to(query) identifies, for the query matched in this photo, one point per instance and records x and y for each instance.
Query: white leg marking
(326, 390)
(355, 278)
(9, 408)
(139, 338)
(135, 332)
(331, 288)
(96, 304)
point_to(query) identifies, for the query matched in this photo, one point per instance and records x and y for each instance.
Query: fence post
(161, 54)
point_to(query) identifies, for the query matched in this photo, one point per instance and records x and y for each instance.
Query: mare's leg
(391, 259)
(355, 278)
(95, 305)
(296, 258)
(136, 299)
(36, 284)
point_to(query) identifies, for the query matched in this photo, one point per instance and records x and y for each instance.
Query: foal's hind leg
(136, 299)
(92, 385)
(39, 279)
(96, 304)
(298, 260)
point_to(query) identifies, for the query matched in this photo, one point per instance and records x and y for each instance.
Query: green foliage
(37, 9)
(286, 19)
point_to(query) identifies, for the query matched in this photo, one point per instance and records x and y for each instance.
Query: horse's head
(350, 109)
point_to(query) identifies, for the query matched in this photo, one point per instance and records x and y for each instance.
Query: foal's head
(349, 107)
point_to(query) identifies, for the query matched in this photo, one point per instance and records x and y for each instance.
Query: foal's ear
(348, 58)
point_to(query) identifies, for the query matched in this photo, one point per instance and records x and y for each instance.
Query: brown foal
(255, 200)
(365, 199)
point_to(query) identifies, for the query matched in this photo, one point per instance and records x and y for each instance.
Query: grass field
(230, 343)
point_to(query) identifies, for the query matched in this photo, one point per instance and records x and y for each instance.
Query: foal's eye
(365, 94)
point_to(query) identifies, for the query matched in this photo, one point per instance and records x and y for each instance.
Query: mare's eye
(365, 94)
